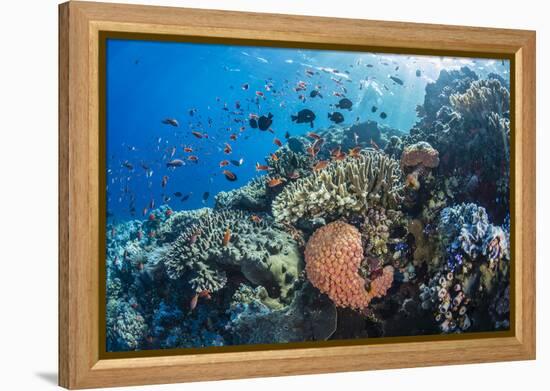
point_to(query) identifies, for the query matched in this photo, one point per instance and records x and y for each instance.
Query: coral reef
(344, 187)
(466, 227)
(482, 98)
(310, 317)
(358, 230)
(264, 254)
(126, 327)
(251, 197)
(287, 163)
(421, 154)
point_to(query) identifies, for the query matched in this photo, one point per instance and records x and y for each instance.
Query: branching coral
(481, 99)
(231, 239)
(344, 187)
(333, 256)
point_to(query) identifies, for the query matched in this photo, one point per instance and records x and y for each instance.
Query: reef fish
(320, 165)
(315, 93)
(275, 182)
(383, 115)
(397, 80)
(336, 117)
(344, 103)
(171, 121)
(175, 163)
(229, 175)
(226, 237)
(261, 167)
(264, 122)
(304, 116)
(277, 142)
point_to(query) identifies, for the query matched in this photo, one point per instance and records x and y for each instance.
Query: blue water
(148, 82)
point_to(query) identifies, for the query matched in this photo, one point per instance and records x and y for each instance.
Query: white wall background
(28, 193)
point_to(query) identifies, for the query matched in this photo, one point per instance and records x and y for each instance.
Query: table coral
(333, 256)
(344, 187)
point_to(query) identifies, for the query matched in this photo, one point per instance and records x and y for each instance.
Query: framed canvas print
(296, 194)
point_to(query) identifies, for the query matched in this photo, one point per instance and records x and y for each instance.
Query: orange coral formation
(380, 285)
(333, 256)
(420, 154)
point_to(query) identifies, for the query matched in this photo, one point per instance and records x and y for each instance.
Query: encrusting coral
(251, 197)
(231, 238)
(342, 188)
(333, 256)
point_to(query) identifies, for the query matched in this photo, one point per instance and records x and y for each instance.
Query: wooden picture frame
(80, 361)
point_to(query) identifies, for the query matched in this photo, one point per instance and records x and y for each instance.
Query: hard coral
(263, 253)
(344, 187)
(333, 256)
(420, 154)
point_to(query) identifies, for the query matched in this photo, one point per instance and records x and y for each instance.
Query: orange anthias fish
(227, 149)
(205, 293)
(224, 163)
(320, 165)
(256, 218)
(193, 158)
(226, 237)
(277, 142)
(314, 136)
(229, 175)
(318, 144)
(275, 182)
(274, 157)
(233, 136)
(197, 134)
(187, 149)
(261, 167)
(355, 152)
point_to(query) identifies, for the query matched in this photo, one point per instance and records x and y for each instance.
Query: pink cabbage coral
(333, 256)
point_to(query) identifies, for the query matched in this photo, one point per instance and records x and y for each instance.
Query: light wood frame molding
(80, 365)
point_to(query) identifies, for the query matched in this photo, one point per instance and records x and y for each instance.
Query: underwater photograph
(260, 195)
